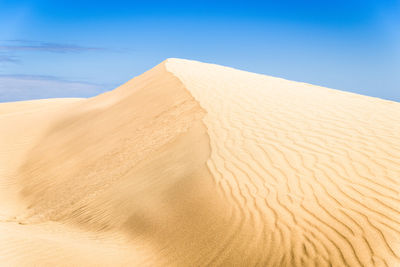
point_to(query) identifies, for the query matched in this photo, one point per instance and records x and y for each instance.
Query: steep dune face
(193, 164)
(97, 146)
(128, 165)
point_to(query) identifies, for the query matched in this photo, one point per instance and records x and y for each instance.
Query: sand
(194, 164)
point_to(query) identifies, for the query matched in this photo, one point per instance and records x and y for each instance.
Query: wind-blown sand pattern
(193, 164)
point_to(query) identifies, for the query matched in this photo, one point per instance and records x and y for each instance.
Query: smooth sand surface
(194, 164)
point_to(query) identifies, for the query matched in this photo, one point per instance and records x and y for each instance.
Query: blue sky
(82, 48)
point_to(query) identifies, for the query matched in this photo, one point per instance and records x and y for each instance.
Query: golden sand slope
(193, 164)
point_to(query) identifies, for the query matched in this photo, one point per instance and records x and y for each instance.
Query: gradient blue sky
(82, 48)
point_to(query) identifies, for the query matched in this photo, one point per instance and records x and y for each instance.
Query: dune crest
(194, 164)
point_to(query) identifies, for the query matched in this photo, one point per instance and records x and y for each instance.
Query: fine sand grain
(194, 164)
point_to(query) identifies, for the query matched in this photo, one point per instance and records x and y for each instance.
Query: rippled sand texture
(193, 164)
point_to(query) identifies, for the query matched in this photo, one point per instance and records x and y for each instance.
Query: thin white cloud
(22, 45)
(25, 87)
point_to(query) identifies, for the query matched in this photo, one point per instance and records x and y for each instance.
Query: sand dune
(194, 164)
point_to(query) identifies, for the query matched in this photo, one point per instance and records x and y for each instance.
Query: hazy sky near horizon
(81, 48)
